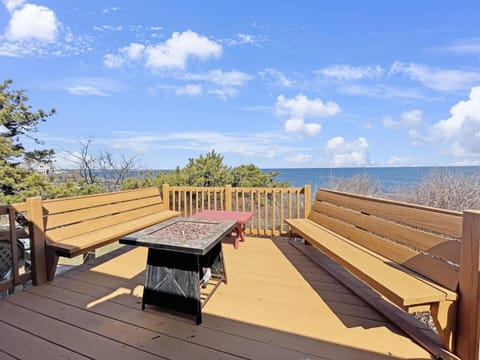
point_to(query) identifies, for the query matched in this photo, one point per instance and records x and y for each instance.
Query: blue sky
(276, 84)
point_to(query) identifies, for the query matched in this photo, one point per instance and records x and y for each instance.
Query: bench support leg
(52, 261)
(444, 317)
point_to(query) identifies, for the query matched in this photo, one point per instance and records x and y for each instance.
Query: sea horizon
(391, 179)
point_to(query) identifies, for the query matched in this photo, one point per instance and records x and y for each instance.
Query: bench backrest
(67, 217)
(423, 239)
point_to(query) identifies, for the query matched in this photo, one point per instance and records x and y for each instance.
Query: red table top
(240, 216)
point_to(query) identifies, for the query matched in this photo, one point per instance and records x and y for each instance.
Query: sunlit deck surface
(277, 304)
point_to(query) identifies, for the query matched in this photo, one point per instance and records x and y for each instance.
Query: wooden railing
(14, 259)
(270, 206)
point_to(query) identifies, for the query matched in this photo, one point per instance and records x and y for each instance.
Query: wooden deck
(277, 304)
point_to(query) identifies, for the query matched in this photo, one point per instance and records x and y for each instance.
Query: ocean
(392, 179)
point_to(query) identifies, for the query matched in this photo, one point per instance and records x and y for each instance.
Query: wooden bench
(407, 253)
(77, 225)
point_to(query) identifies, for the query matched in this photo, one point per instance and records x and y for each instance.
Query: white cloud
(241, 39)
(299, 158)
(466, 46)
(109, 10)
(92, 87)
(381, 91)
(408, 119)
(301, 107)
(224, 93)
(401, 161)
(87, 90)
(275, 77)
(172, 54)
(175, 52)
(416, 139)
(190, 89)
(132, 52)
(13, 4)
(65, 160)
(230, 78)
(344, 153)
(33, 22)
(245, 38)
(35, 30)
(108, 28)
(412, 118)
(262, 146)
(113, 61)
(462, 129)
(349, 72)
(390, 123)
(299, 127)
(226, 84)
(435, 78)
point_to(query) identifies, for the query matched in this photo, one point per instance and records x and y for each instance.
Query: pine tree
(17, 121)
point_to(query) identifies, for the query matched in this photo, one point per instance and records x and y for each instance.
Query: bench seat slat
(71, 217)
(62, 233)
(401, 288)
(82, 243)
(439, 246)
(54, 206)
(424, 264)
(437, 220)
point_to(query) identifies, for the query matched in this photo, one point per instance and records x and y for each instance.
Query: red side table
(241, 217)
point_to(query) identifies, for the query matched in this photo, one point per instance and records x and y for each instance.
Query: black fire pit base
(173, 279)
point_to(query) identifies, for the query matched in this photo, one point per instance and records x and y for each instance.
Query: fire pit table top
(180, 234)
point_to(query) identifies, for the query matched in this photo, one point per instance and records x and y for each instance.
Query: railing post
(228, 197)
(38, 244)
(13, 241)
(166, 196)
(307, 191)
(468, 334)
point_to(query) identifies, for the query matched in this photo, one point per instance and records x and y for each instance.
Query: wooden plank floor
(277, 305)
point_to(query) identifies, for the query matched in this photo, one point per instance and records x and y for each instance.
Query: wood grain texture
(65, 232)
(75, 216)
(84, 242)
(433, 219)
(411, 326)
(432, 243)
(468, 338)
(399, 287)
(424, 264)
(54, 206)
(96, 311)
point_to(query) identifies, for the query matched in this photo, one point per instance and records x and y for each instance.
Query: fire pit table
(183, 254)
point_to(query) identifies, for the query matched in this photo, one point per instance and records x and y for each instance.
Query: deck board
(13, 340)
(277, 304)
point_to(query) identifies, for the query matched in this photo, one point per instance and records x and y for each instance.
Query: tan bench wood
(407, 253)
(77, 225)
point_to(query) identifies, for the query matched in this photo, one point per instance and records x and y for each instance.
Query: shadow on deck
(278, 304)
